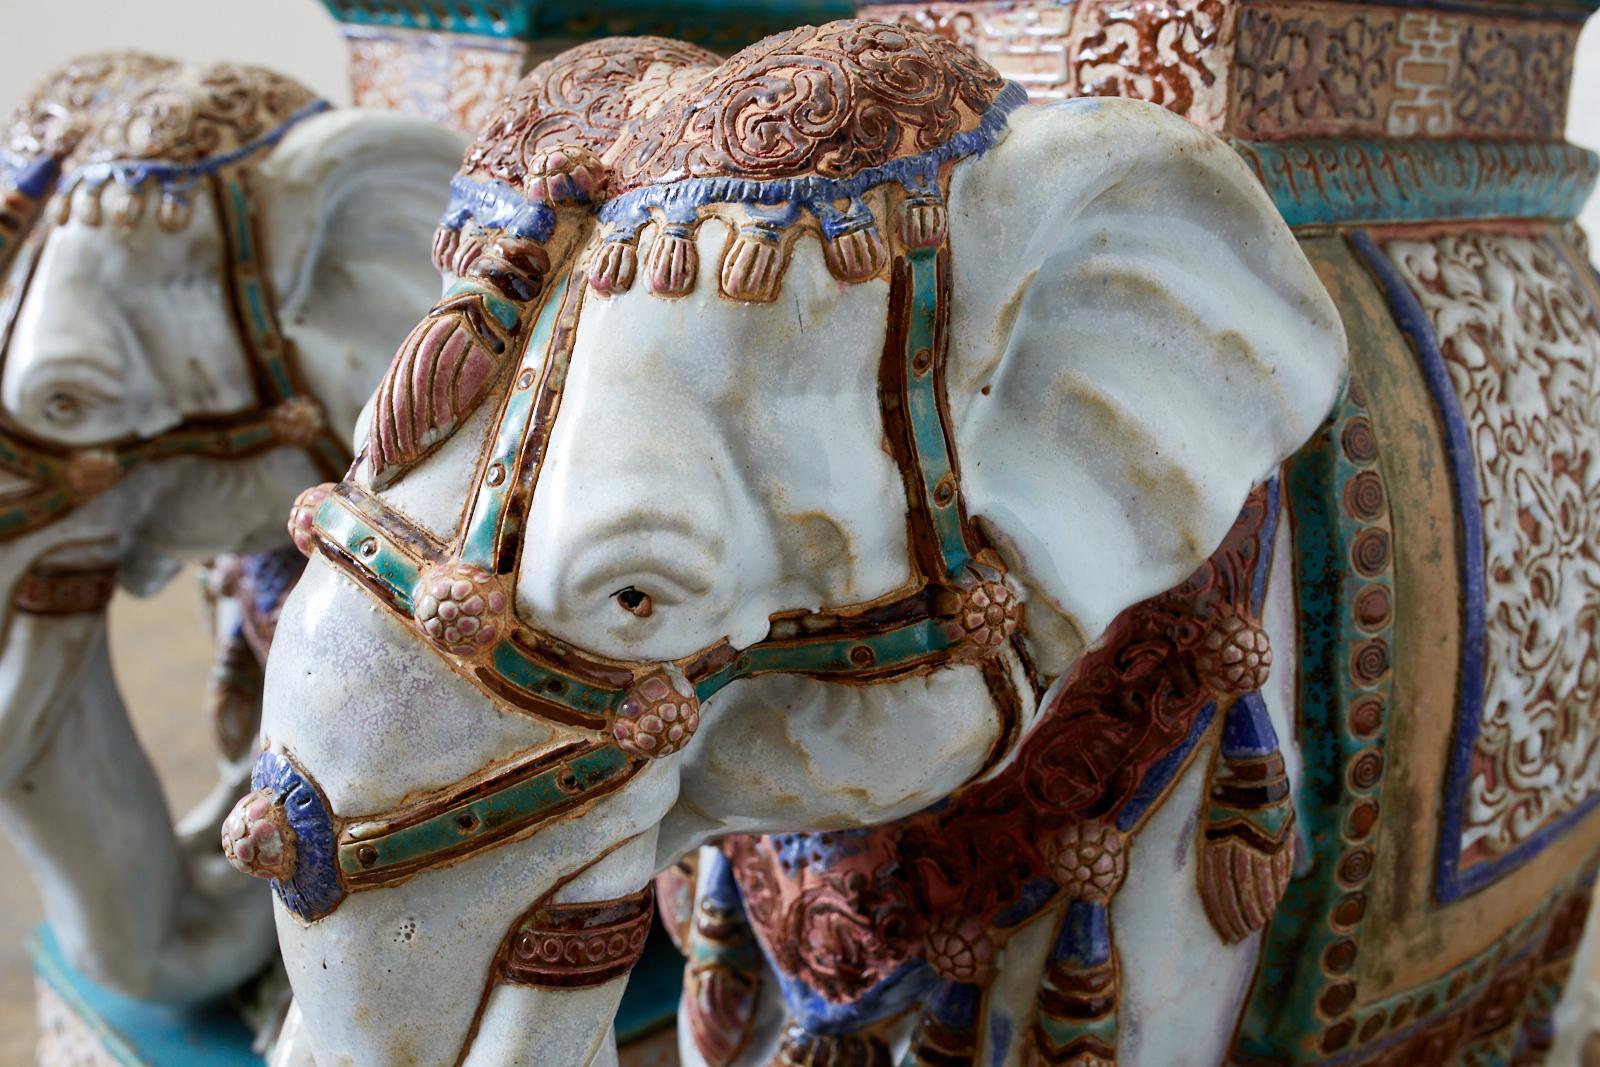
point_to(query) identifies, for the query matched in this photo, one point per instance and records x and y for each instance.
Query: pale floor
(162, 656)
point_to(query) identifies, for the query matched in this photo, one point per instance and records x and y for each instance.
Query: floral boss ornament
(461, 608)
(257, 837)
(658, 716)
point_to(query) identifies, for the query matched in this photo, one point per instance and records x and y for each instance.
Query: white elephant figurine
(791, 427)
(181, 248)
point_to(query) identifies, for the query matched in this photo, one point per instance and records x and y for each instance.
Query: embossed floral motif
(958, 948)
(297, 421)
(583, 97)
(659, 716)
(1088, 860)
(985, 616)
(1236, 656)
(1523, 355)
(257, 838)
(461, 607)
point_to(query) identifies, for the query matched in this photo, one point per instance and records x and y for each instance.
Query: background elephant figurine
(181, 248)
(792, 427)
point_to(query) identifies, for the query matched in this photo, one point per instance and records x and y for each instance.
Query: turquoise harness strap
(467, 819)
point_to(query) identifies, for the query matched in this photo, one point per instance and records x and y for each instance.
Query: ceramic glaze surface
(178, 249)
(805, 439)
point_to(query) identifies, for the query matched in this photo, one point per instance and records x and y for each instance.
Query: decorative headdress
(792, 135)
(121, 125)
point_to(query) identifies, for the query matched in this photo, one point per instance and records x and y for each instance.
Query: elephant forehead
(133, 316)
(749, 432)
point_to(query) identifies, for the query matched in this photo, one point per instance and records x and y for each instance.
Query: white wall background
(297, 37)
(1583, 118)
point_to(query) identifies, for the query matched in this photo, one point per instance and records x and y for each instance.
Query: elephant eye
(62, 408)
(635, 602)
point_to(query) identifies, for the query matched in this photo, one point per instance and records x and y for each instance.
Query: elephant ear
(351, 201)
(1137, 341)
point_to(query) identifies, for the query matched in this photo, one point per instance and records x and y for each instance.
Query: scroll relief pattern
(1354, 70)
(1524, 357)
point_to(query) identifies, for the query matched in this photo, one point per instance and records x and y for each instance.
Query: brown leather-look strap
(66, 590)
(570, 946)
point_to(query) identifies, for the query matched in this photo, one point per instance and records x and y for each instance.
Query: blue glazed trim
(271, 575)
(1000, 1032)
(907, 986)
(1451, 883)
(1158, 777)
(1247, 730)
(177, 177)
(1264, 546)
(679, 201)
(1326, 180)
(1030, 901)
(32, 178)
(956, 1004)
(1085, 937)
(315, 888)
(495, 205)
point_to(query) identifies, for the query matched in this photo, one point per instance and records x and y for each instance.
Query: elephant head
(790, 425)
(179, 247)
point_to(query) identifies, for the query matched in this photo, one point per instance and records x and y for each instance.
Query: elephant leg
(1181, 991)
(90, 819)
(505, 1036)
(418, 974)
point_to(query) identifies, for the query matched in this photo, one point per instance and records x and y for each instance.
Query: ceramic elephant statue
(180, 249)
(791, 426)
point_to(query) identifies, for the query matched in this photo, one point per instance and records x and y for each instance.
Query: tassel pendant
(924, 220)
(722, 980)
(1247, 843)
(673, 261)
(857, 253)
(1077, 1021)
(612, 270)
(947, 1030)
(752, 266)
